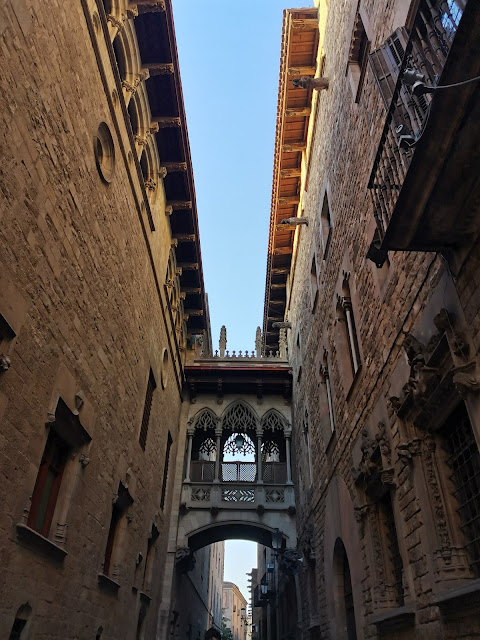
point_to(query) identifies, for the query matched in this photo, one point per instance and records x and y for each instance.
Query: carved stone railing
(426, 51)
(245, 355)
(238, 495)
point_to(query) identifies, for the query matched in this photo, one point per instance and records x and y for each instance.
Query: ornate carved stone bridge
(237, 479)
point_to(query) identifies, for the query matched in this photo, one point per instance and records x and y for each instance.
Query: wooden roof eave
(282, 185)
(199, 298)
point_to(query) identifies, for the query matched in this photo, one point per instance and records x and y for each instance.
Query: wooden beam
(298, 112)
(186, 237)
(188, 266)
(294, 172)
(165, 122)
(281, 251)
(277, 303)
(285, 227)
(180, 204)
(280, 271)
(278, 285)
(292, 147)
(194, 312)
(289, 200)
(305, 24)
(302, 71)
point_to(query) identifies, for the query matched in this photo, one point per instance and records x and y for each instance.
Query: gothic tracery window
(239, 417)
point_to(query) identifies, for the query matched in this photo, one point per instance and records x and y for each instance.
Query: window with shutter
(385, 63)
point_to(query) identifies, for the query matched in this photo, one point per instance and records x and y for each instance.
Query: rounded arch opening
(233, 530)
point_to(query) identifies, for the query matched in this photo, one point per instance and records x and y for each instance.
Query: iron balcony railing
(272, 472)
(423, 53)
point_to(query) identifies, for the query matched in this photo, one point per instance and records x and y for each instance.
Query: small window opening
(147, 408)
(326, 225)
(358, 57)
(47, 484)
(19, 628)
(165, 471)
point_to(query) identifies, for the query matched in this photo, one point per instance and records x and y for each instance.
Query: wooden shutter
(385, 63)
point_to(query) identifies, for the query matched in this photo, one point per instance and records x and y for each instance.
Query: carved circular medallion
(104, 150)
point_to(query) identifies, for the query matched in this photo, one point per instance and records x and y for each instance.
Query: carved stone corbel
(5, 362)
(465, 378)
(184, 559)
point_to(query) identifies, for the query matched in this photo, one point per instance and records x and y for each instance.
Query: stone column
(190, 433)
(259, 457)
(288, 460)
(218, 433)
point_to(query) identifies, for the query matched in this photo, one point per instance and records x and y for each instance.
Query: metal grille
(239, 471)
(463, 459)
(202, 471)
(396, 563)
(274, 472)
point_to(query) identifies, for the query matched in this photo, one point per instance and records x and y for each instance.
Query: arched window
(344, 593)
(20, 624)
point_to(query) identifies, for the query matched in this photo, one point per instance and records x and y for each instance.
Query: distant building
(234, 610)
(199, 591)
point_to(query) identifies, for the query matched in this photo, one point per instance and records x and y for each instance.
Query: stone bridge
(237, 479)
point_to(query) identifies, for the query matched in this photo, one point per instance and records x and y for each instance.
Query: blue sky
(229, 62)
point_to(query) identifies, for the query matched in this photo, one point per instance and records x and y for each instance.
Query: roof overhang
(155, 32)
(300, 37)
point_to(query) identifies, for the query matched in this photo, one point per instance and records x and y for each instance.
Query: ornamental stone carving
(5, 362)
(307, 82)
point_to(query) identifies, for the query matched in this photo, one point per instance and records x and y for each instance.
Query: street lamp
(239, 442)
(277, 540)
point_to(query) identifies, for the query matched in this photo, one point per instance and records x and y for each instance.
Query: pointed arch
(239, 416)
(273, 420)
(205, 419)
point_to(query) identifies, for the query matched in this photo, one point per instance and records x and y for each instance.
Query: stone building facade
(100, 287)
(373, 269)
(234, 607)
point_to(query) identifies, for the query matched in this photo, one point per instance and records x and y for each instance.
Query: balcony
(265, 591)
(204, 471)
(424, 182)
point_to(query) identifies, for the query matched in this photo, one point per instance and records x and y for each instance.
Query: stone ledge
(145, 597)
(394, 619)
(463, 597)
(108, 584)
(34, 540)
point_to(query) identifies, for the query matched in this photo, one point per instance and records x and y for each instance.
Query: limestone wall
(82, 277)
(402, 297)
